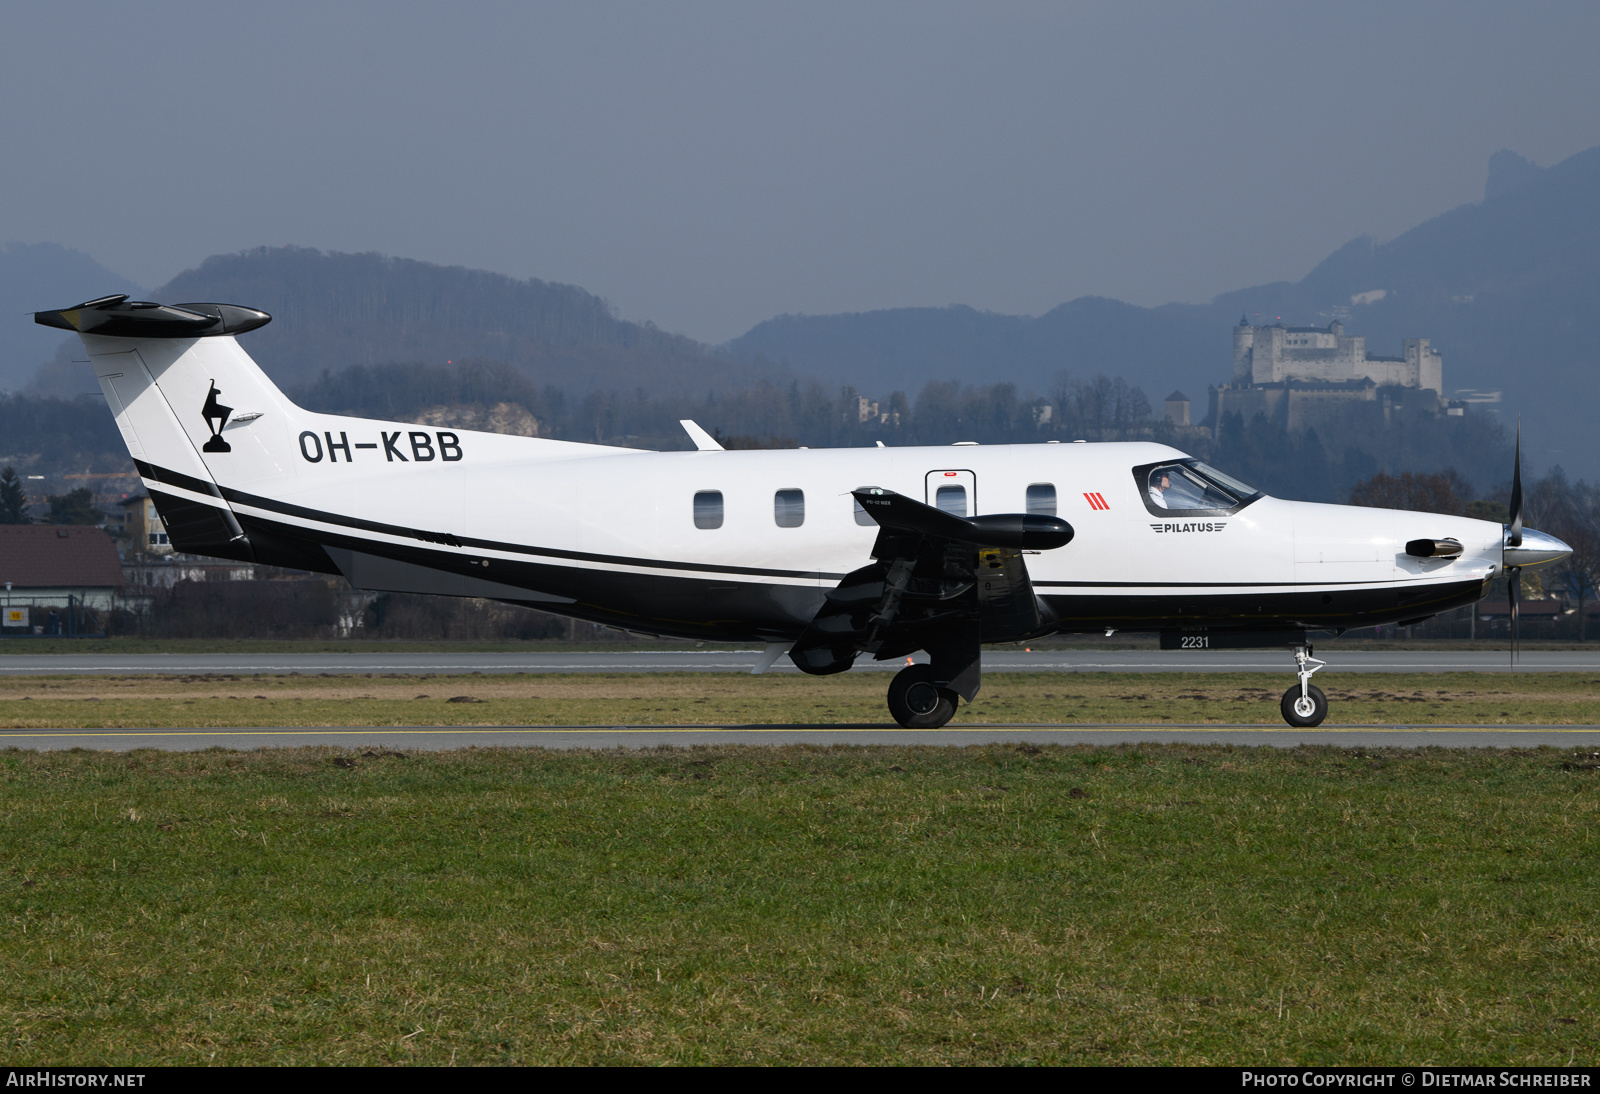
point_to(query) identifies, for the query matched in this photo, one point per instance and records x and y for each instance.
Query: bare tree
(1570, 512)
(1417, 492)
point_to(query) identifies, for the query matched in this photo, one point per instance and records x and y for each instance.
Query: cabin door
(953, 491)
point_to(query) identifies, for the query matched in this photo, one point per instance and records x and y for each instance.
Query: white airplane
(823, 554)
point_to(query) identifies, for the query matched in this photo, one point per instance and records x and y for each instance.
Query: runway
(1010, 660)
(435, 739)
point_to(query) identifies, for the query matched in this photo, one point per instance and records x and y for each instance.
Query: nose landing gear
(1304, 705)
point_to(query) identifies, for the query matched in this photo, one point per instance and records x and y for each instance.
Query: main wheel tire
(1304, 711)
(915, 701)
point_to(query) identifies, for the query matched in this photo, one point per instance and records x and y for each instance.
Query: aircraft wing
(938, 582)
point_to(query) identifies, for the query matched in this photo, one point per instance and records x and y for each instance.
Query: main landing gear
(917, 702)
(1304, 704)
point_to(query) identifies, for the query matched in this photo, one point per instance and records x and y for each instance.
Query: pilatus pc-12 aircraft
(822, 554)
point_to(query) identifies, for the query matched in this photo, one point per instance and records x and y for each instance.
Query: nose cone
(1537, 549)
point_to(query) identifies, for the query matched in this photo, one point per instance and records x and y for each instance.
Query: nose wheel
(1304, 705)
(916, 702)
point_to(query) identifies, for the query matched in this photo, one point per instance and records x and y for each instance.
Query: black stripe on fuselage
(1317, 607)
(255, 501)
(677, 606)
(176, 478)
(1200, 584)
(713, 607)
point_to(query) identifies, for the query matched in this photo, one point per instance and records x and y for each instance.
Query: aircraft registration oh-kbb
(823, 554)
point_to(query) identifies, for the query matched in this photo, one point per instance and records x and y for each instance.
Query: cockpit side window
(1190, 488)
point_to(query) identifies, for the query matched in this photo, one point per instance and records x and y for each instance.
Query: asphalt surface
(1017, 660)
(563, 737)
(430, 738)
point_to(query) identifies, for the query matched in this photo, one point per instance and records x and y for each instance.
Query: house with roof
(47, 568)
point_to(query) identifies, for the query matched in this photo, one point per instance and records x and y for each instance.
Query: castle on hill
(1321, 377)
(1275, 354)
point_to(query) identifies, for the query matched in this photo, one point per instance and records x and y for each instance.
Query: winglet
(704, 441)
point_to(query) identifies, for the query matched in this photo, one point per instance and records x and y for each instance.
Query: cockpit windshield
(1190, 486)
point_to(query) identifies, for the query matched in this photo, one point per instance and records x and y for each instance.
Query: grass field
(628, 642)
(1007, 904)
(93, 702)
(348, 646)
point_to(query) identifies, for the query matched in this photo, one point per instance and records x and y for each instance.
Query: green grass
(1004, 904)
(122, 645)
(97, 702)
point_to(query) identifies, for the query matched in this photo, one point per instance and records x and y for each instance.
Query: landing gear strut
(917, 702)
(1304, 704)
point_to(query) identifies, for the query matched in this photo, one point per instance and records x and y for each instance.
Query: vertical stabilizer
(176, 379)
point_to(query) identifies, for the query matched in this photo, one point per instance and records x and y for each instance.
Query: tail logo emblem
(216, 416)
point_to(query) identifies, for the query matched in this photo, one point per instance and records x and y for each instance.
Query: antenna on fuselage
(704, 441)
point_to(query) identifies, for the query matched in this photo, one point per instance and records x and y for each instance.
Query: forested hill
(37, 277)
(330, 311)
(901, 348)
(1506, 288)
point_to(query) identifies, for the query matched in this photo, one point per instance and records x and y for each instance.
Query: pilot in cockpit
(1176, 487)
(1160, 483)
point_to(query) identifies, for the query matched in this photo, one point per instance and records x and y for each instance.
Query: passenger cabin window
(708, 509)
(951, 499)
(861, 514)
(1194, 487)
(1042, 499)
(789, 508)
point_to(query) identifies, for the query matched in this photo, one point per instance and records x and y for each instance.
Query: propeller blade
(1514, 593)
(1514, 536)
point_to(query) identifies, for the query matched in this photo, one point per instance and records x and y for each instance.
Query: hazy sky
(707, 166)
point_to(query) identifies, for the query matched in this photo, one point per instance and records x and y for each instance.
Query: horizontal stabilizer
(119, 317)
(1018, 531)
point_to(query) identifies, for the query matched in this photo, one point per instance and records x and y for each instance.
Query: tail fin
(239, 471)
(175, 378)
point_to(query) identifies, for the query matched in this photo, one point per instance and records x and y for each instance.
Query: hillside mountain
(900, 349)
(1506, 288)
(330, 311)
(36, 277)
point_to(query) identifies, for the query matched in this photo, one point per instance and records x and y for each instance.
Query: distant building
(147, 535)
(1178, 408)
(1321, 377)
(41, 565)
(1271, 355)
